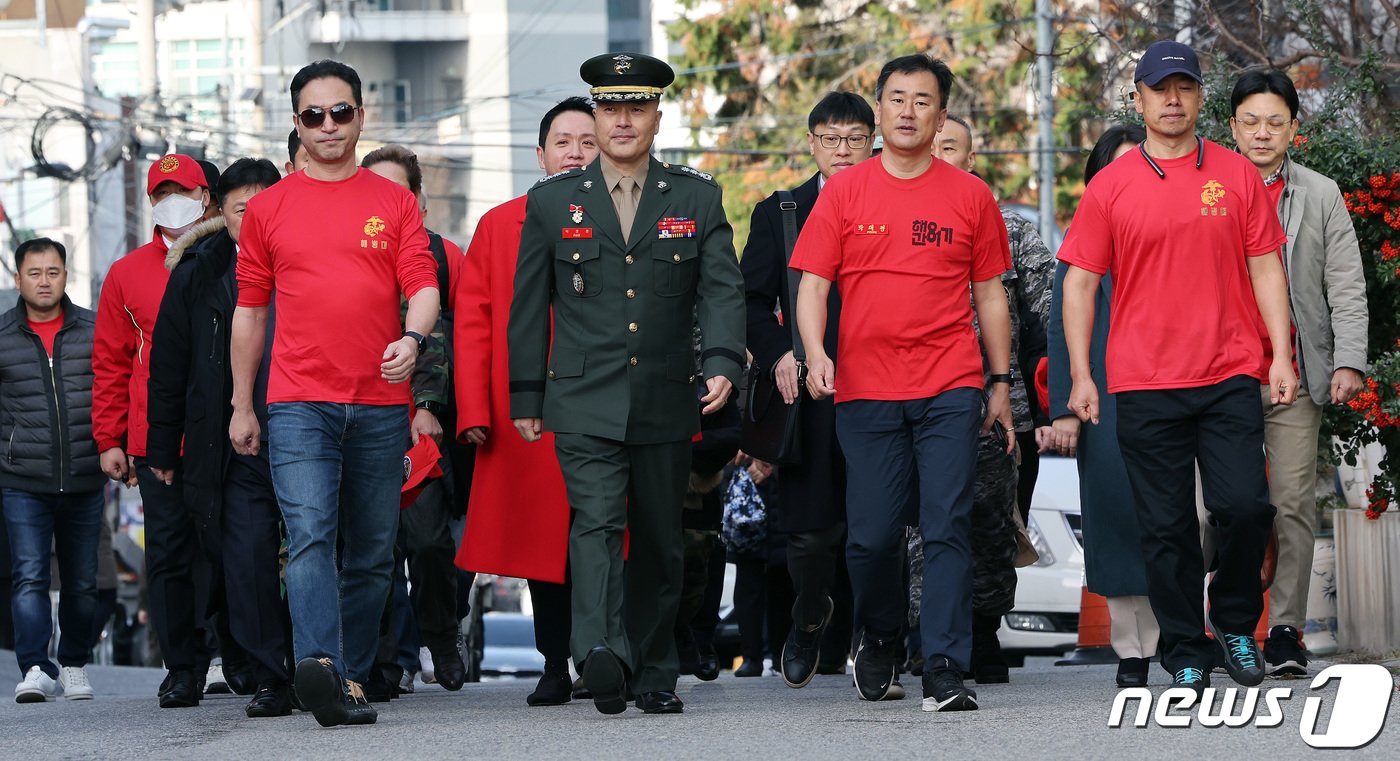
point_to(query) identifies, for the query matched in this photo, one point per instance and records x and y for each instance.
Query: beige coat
(1327, 287)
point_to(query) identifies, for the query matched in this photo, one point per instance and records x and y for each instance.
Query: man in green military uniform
(627, 254)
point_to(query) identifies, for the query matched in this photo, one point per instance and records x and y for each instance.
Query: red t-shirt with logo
(1183, 309)
(338, 254)
(48, 331)
(902, 252)
(1275, 195)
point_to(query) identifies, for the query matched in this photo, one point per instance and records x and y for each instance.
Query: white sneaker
(75, 683)
(214, 682)
(425, 662)
(36, 687)
(406, 683)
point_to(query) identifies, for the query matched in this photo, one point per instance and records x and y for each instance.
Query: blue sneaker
(1242, 659)
(1196, 679)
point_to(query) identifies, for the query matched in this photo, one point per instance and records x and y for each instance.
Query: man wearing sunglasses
(338, 244)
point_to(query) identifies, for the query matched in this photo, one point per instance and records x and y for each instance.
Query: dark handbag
(771, 429)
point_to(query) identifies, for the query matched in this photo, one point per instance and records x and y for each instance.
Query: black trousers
(553, 622)
(816, 563)
(763, 608)
(1164, 436)
(178, 574)
(252, 536)
(426, 539)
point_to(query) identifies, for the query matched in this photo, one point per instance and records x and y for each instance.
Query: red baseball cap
(420, 465)
(177, 168)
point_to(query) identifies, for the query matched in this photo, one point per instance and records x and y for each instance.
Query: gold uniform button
(629, 259)
(676, 258)
(632, 361)
(631, 294)
(576, 256)
(631, 327)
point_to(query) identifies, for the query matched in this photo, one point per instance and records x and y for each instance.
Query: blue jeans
(338, 470)
(912, 462)
(39, 524)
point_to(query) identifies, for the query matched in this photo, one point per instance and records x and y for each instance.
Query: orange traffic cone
(1093, 646)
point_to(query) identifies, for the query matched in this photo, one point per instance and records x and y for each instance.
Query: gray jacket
(1327, 286)
(46, 405)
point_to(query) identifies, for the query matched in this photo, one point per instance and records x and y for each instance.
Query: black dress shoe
(272, 699)
(181, 689)
(552, 690)
(707, 669)
(1132, 672)
(750, 668)
(379, 689)
(606, 678)
(581, 690)
(661, 701)
(242, 682)
(451, 672)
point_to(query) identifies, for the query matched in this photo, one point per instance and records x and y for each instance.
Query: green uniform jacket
(622, 363)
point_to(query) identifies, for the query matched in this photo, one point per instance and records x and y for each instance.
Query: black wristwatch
(429, 405)
(416, 336)
(999, 378)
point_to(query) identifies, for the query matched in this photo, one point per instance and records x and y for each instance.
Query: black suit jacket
(812, 495)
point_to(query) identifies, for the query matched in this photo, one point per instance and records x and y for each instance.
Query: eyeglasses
(1251, 124)
(854, 142)
(313, 117)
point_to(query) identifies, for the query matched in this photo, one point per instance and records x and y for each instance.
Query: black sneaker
(357, 708)
(877, 668)
(944, 689)
(1196, 679)
(799, 658)
(1242, 659)
(322, 691)
(1284, 654)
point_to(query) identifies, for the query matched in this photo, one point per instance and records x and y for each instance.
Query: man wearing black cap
(1189, 235)
(628, 254)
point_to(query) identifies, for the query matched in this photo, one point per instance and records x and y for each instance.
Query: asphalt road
(1047, 712)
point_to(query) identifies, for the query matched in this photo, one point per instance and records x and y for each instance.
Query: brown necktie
(625, 202)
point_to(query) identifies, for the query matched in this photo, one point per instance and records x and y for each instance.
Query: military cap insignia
(169, 164)
(621, 64)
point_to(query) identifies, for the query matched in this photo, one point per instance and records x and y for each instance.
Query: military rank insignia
(675, 227)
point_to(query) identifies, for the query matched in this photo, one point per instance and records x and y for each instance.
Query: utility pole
(146, 48)
(1045, 69)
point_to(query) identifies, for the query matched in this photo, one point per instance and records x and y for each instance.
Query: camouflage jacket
(430, 373)
(1028, 285)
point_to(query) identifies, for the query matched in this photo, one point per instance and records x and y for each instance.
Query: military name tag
(578, 232)
(578, 283)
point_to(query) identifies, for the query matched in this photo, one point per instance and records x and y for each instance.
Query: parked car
(1045, 620)
(510, 646)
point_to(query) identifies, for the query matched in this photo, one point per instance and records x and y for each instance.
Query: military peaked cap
(626, 76)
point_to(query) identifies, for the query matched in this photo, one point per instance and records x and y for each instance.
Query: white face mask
(176, 211)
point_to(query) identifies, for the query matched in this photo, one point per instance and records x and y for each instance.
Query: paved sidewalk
(1047, 712)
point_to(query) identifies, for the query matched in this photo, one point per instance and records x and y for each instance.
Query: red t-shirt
(1275, 192)
(902, 253)
(1183, 310)
(47, 330)
(338, 255)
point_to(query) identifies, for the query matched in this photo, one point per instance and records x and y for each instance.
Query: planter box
(1368, 597)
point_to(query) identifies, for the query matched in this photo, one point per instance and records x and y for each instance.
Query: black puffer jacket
(191, 384)
(46, 407)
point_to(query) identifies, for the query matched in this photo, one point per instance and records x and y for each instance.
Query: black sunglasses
(315, 116)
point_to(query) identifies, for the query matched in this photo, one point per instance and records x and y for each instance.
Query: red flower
(1299, 141)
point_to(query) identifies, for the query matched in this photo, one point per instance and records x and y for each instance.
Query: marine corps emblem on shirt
(169, 165)
(1211, 193)
(374, 226)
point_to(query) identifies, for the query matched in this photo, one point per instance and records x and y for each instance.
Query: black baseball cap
(1165, 58)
